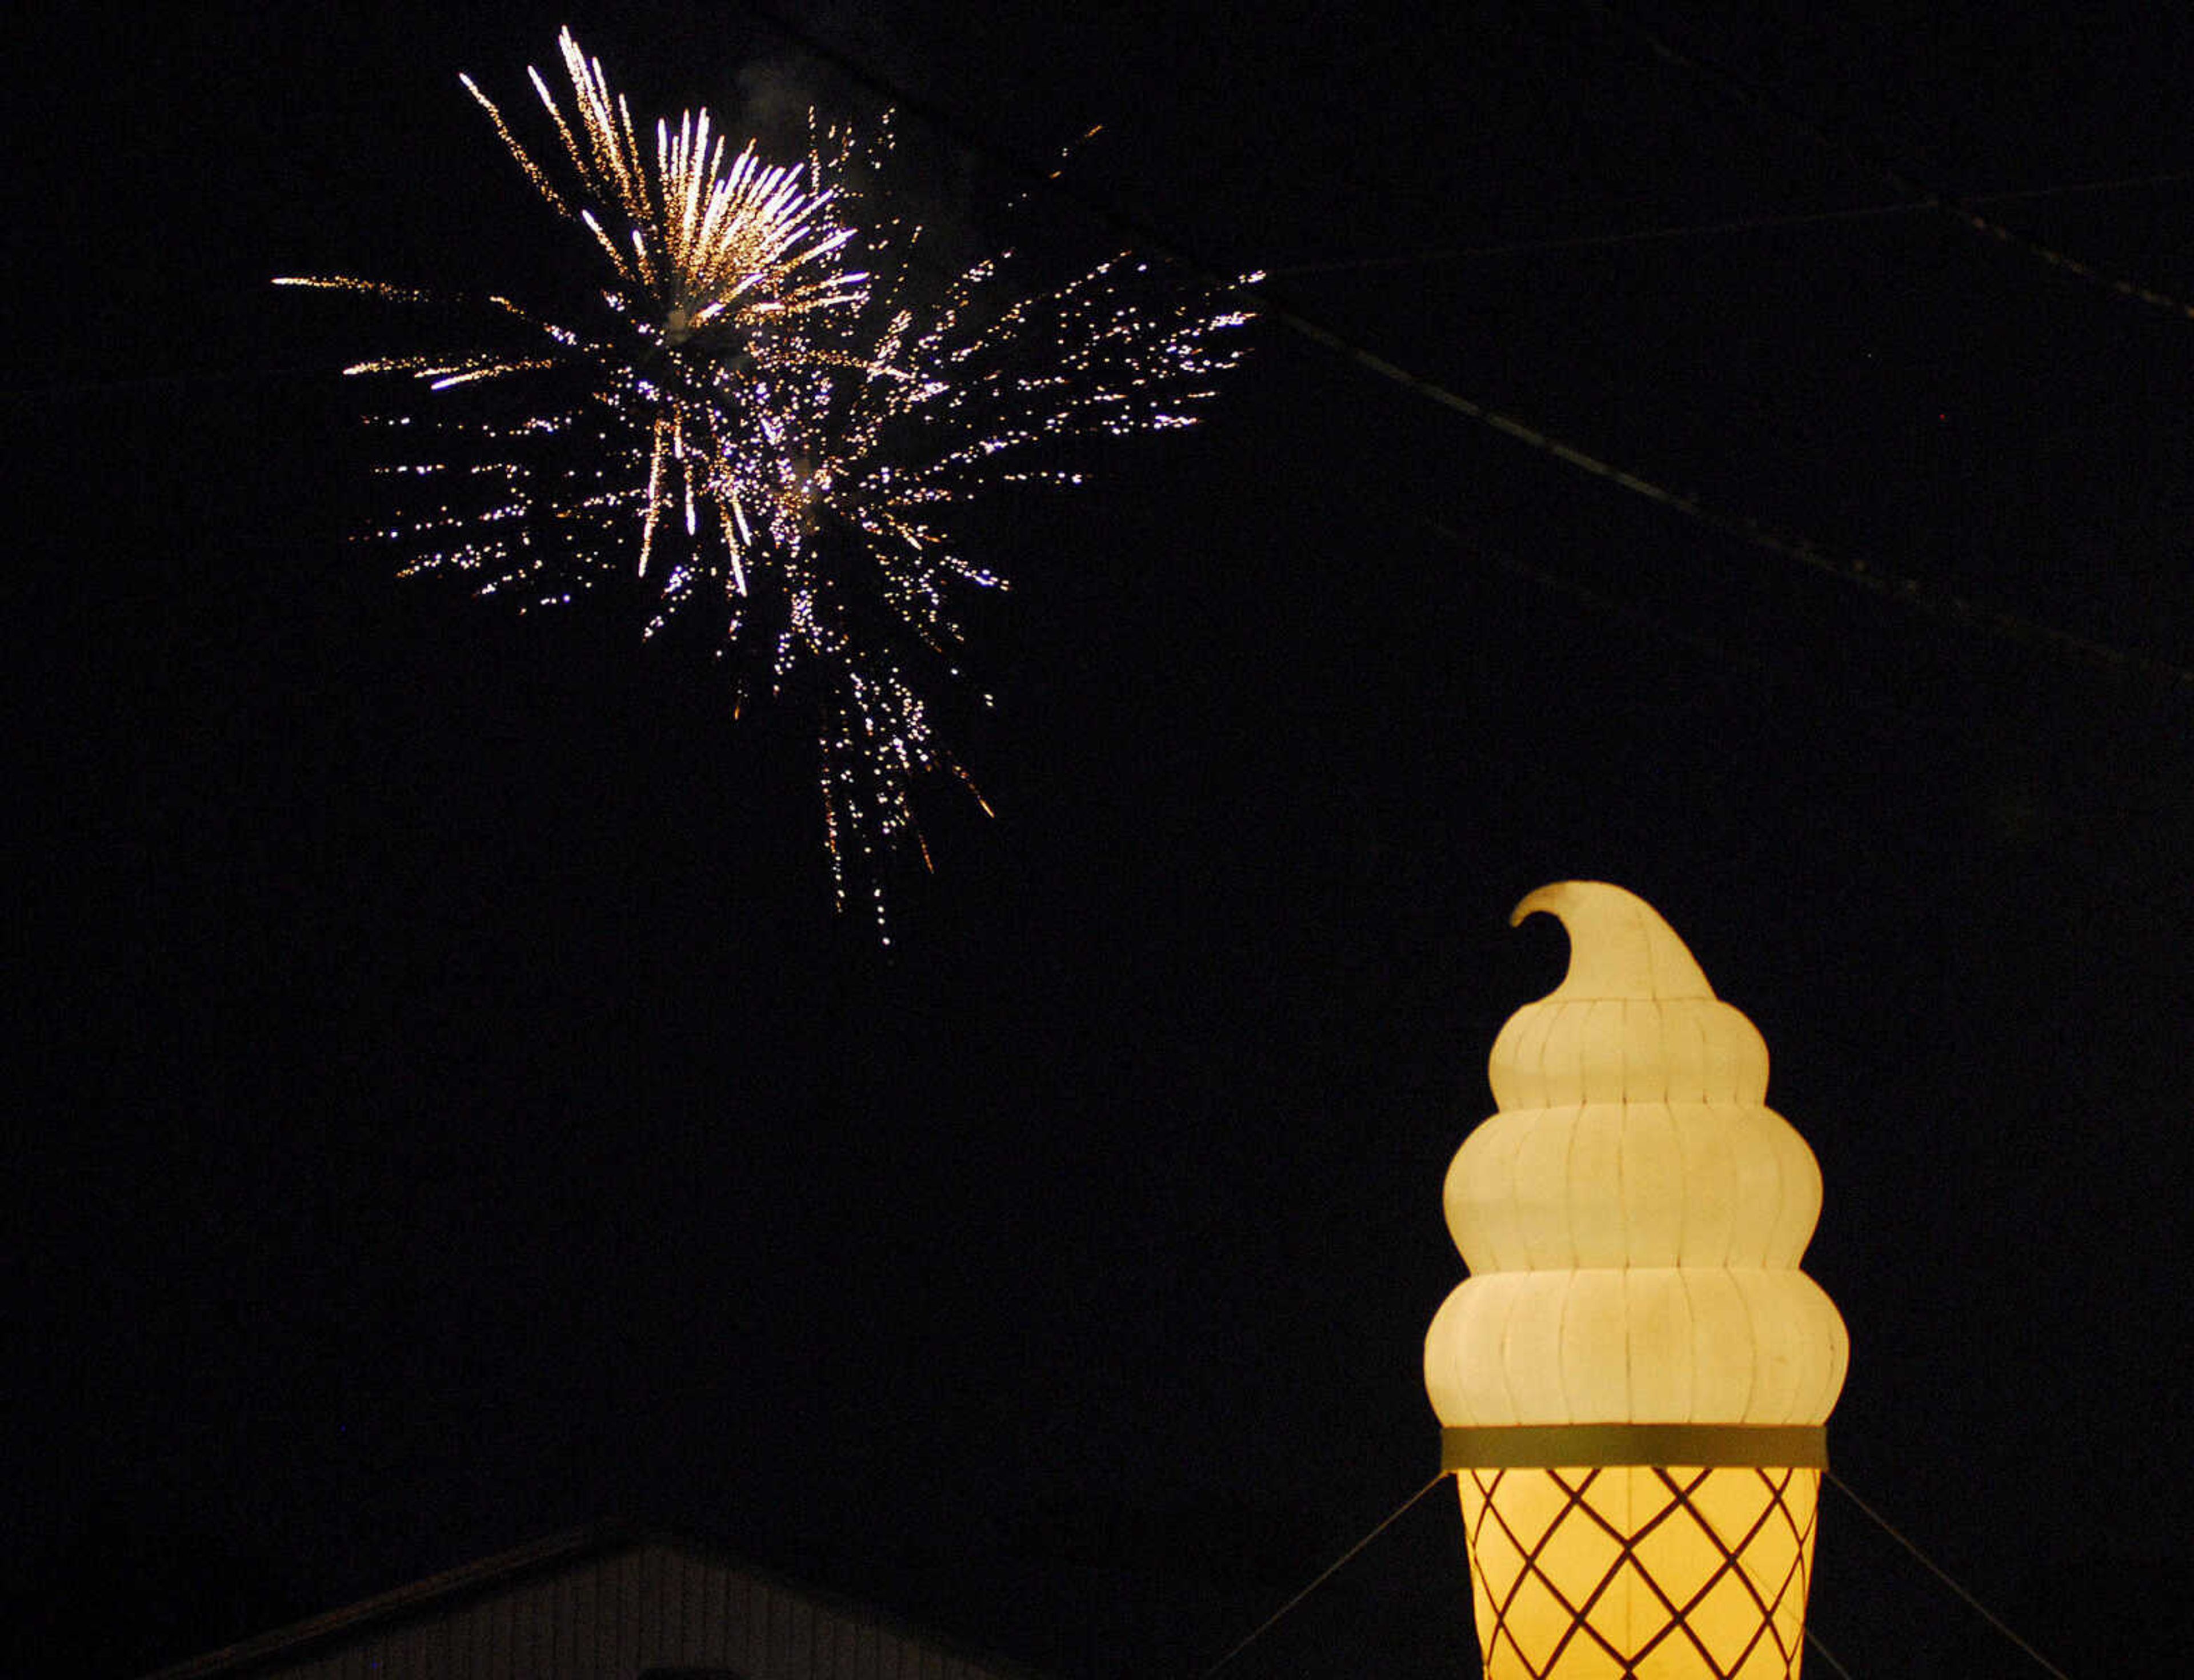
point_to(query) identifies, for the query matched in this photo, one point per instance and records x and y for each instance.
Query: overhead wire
(1827, 1656)
(1878, 579)
(1924, 196)
(1607, 606)
(1322, 1577)
(1943, 1575)
(1813, 1639)
(1640, 236)
(1908, 590)
(1768, 672)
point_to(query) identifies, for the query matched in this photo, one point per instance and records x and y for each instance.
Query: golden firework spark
(776, 439)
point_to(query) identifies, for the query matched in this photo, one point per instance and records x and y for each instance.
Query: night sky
(451, 1111)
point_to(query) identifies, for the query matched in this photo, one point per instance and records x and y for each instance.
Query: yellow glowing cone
(1632, 1382)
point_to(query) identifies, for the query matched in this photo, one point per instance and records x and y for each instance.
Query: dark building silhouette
(599, 1605)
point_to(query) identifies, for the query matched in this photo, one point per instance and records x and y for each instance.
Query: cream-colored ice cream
(1632, 1381)
(1633, 1215)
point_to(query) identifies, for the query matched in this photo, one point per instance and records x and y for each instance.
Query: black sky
(451, 1110)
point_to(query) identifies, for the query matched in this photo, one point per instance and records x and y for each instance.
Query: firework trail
(766, 418)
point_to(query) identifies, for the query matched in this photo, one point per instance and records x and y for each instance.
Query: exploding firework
(773, 421)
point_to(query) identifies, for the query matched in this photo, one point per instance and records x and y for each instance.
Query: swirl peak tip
(1620, 946)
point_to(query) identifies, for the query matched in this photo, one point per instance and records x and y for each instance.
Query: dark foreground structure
(599, 1605)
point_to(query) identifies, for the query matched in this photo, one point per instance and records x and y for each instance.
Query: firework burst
(774, 423)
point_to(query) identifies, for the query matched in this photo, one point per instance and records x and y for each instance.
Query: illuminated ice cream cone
(1632, 1382)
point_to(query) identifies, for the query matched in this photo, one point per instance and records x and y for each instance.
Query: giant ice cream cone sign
(1633, 1381)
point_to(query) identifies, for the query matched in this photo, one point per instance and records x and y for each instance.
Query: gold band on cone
(1794, 1446)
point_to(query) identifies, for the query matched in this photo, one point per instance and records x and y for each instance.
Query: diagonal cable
(1870, 155)
(1754, 224)
(1322, 1577)
(1825, 1654)
(1910, 591)
(1943, 1575)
